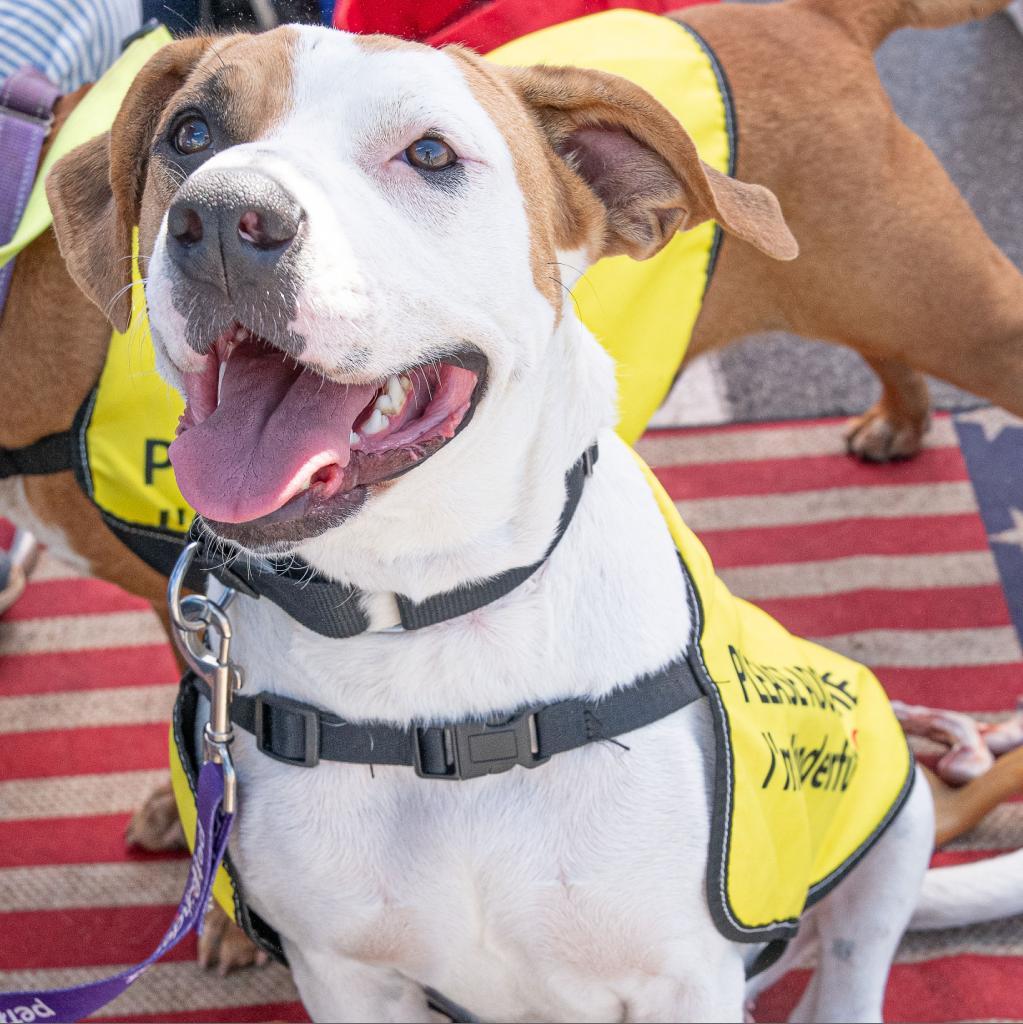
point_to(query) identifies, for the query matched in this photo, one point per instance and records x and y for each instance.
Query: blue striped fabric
(71, 41)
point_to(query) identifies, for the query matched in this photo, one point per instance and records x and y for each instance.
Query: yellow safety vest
(643, 313)
(811, 762)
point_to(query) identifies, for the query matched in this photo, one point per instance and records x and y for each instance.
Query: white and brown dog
(352, 248)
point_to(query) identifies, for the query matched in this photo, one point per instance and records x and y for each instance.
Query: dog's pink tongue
(256, 449)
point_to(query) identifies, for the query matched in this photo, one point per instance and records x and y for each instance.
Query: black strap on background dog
(50, 454)
(335, 610)
(303, 735)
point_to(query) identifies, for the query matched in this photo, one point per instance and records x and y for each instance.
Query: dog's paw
(155, 826)
(877, 436)
(224, 947)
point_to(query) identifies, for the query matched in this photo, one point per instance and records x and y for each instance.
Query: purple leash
(199, 623)
(212, 829)
(26, 113)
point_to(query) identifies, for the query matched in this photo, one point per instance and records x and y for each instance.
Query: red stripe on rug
(107, 748)
(289, 1012)
(950, 858)
(86, 937)
(782, 476)
(764, 427)
(964, 987)
(810, 542)
(48, 598)
(61, 672)
(966, 688)
(94, 840)
(947, 608)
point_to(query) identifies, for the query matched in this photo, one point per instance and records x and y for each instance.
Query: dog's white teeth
(405, 384)
(353, 439)
(377, 422)
(220, 378)
(392, 398)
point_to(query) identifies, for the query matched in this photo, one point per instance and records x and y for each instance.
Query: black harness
(303, 735)
(50, 454)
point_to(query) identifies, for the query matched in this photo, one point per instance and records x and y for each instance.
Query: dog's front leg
(339, 989)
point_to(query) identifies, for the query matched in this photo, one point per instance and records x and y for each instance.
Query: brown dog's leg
(155, 825)
(893, 262)
(894, 427)
(958, 809)
(223, 946)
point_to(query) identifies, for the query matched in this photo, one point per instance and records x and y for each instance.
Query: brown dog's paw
(877, 436)
(155, 826)
(225, 947)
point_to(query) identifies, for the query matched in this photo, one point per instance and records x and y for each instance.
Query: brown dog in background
(893, 264)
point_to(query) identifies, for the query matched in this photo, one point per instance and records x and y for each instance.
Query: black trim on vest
(335, 609)
(188, 740)
(721, 813)
(50, 454)
(731, 129)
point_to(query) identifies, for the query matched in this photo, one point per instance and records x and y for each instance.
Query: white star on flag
(992, 421)
(1014, 535)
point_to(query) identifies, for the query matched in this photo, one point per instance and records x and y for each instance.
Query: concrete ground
(961, 89)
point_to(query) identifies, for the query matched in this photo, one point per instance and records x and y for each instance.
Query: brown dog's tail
(870, 22)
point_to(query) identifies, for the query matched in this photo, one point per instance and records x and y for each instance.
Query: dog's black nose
(230, 229)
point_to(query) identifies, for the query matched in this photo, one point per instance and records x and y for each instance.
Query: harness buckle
(474, 749)
(274, 730)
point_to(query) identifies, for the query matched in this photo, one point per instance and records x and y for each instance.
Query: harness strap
(26, 113)
(335, 610)
(302, 734)
(50, 454)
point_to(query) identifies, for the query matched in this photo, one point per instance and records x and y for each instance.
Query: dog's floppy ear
(95, 192)
(642, 165)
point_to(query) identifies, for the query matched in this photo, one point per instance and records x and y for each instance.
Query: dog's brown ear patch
(642, 165)
(95, 192)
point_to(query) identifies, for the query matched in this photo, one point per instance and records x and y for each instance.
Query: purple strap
(212, 828)
(26, 112)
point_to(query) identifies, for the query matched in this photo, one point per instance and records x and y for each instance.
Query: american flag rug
(915, 568)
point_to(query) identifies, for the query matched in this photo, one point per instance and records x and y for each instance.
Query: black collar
(335, 610)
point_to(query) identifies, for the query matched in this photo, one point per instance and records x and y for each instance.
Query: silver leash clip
(202, 633)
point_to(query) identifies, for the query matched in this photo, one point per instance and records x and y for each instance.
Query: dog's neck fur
(491, 500)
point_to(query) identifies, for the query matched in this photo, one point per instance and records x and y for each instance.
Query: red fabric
(481, 24)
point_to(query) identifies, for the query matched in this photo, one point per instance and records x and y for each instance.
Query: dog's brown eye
(430, 154)
(192, 135)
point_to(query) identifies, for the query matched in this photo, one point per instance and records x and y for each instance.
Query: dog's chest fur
(492, 889)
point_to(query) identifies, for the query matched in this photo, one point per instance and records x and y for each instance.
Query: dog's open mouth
(265, 441)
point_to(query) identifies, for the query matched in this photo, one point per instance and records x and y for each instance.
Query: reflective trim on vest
(644, 313)
(813, 767)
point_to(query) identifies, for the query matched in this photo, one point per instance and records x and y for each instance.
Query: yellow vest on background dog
(812, 764)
